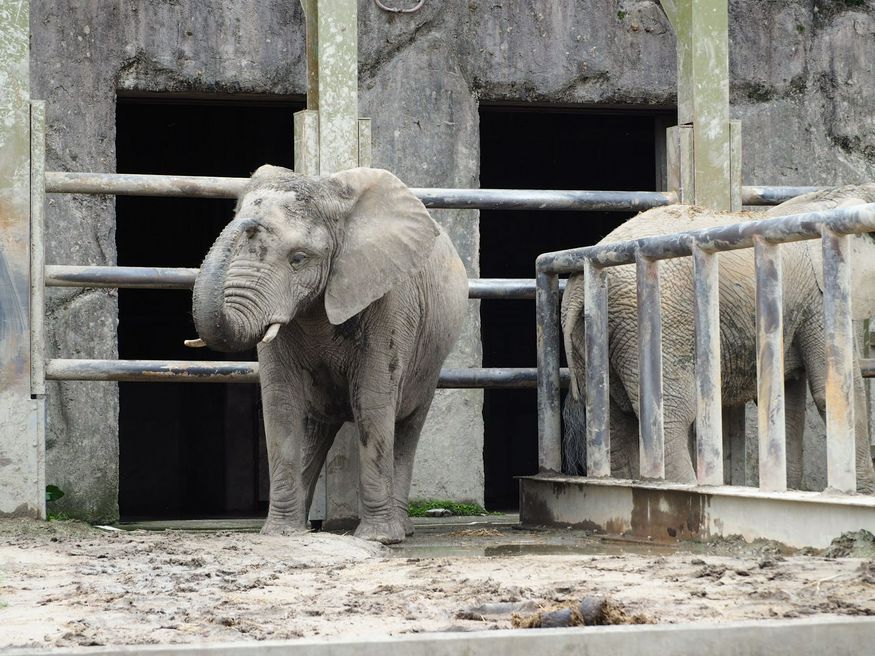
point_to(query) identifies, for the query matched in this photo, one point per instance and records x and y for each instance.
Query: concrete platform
(837, 637)
(672, 511)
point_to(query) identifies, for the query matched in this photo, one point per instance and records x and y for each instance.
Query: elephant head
(342, 240)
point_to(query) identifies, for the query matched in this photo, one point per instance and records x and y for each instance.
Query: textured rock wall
(803, 83)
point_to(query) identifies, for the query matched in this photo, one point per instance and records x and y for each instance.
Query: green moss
(59, 517)
(621, 15)
(419, 507)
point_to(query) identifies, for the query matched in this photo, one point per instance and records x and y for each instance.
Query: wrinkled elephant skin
(804, 347)
(355, 297)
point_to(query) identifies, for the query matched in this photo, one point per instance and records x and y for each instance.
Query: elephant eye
(298, 259)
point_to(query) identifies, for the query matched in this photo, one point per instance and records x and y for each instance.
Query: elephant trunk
(224, 326)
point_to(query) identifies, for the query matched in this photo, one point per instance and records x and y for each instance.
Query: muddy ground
(68, 584)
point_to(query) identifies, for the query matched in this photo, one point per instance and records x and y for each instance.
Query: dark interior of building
(538, 148)
(187, 450)
(190, 451)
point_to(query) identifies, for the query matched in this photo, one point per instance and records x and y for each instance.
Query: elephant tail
(574, 410)
(574, 436)
(572, 312)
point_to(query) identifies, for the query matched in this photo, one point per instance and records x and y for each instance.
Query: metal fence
(832, 227)
(223, 187)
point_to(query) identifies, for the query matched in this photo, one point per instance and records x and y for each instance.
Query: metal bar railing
(650, 369)
(204, 371)
(832, 226)
(709, 419)
(770, 366)
(136, 184)
(841, 466)
(57, 275)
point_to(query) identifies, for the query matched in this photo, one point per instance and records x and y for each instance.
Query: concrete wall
(803, 83)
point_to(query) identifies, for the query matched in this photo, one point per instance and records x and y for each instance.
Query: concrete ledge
(814, 637)
(668, 511)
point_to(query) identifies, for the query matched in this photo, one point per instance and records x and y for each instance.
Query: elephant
(354, 297)
(804, 344)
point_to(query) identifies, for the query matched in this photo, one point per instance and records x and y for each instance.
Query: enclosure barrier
(833, 227)
(135, 184)
(225, 187)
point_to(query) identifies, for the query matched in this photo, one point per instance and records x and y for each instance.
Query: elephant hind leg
(318, 437)
(679, 411)
(863, 448)
(624, 443)
(794, 423)
(407, 432)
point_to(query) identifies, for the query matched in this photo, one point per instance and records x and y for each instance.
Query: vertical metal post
(549, 422)
(595, 318)
(37, 247)
(841, 470)
(22, 479)
(650, 409)
(735, 170)
(770, 366)
(680, 171)
(709, 417)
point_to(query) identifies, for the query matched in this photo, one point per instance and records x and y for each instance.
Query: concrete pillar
(330, 137)
(702, 31)
(22, 448)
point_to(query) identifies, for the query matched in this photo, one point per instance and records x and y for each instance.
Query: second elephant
(804, 346)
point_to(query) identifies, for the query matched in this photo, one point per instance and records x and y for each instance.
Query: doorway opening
(187, 450)
(545, 148)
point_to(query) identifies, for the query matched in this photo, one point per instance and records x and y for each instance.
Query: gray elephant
(804, 356)
(355, 297)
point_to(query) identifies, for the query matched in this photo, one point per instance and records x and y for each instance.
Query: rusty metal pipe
(770, 366)
(709, 414)
(595, 321)
(549, 422)
(841, 468)
(203, 371)
(650, 413)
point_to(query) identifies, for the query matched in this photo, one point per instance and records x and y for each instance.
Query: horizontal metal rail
(782, 229)
(202, 371)
(180, 278)
(832, 227)
(136, 184)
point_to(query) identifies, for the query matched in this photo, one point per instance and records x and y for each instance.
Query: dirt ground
(68, 584)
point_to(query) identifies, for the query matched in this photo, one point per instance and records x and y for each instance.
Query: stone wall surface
(803, 81)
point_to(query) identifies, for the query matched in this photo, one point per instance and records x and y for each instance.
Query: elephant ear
(387, 237)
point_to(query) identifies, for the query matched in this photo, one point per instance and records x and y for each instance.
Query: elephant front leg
(284, 426)
(379, 519)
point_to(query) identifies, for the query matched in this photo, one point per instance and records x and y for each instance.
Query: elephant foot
(386, 532)
(408, 525)
(274, 526)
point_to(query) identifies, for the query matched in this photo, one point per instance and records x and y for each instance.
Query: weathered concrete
(838, 636)
(667, 512)
(801, 80)
(21, 419)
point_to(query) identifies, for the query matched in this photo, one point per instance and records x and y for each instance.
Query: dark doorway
(186, 450)
(543, 149)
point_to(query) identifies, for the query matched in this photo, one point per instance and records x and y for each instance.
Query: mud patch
(66, 584)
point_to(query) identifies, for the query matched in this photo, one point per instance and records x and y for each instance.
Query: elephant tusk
(271, 333)
(195, 343)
